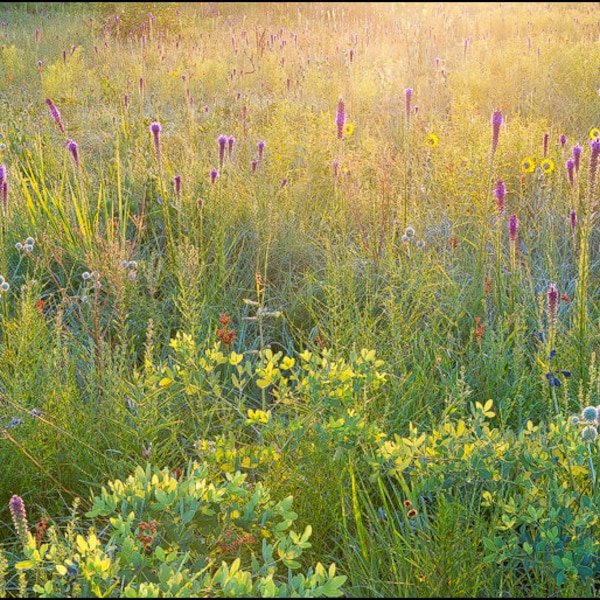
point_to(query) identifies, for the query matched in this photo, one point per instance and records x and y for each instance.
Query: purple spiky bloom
(335, 164)
(155, 129)
(126, 100)
(563, 140)
(593, 166)
(222, 140)
(261, 149)
(552, 304)
(497, 121)
(177, 185)
(213, 175)
(500, 193)
(283, 183)
(2, 174)
(4, 193)
(73, 148)
(55, 114)
(351, 54)
(546, 140)
(576, 151)
(19, 517)
(141, 82)
(408, 94)
(64, 55)
(39, 64)
(253, 165)
(513, 227)
(570, 167)
(573, 219)
(37, 35)
(230, 143)
(340, 118)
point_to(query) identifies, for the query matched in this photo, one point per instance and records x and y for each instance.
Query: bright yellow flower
(547, 165)
(594, 133)
(527, 165)
(431, 140)
(348, 129)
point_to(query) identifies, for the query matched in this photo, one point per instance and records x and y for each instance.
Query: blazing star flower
(340, 118)
(547, 165)
(431, 140)
(335, 165)
(500, 193)
(253, 165)
(73, 148)
(177, 185)
(408, 93)
(155, 129)
(546, 139)
(55, 114)
(497, 121)
(513, 227)
(222, 140)
(230, 142)
(593, 165)
(19, 517)
(2, 174)
(563, 140)
(527, 165)
(573, 219)
(552, 304)
(570, 167)
(577, 150)
(261, 149)
(213, 175)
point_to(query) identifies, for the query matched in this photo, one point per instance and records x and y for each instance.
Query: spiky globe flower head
(575, 420)
(589, 413)
(589, 433)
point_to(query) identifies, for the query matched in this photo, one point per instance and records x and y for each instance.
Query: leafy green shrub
(165, 533)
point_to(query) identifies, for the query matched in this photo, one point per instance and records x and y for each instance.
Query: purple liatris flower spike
(177, 185)
(546, 140)
(283, 183)
(513, 227)
(222, 140)
(230, 142)
(573, 219)
(497, 121)
(593, 167)
(4, 193)
(563, 140)
(335, 164)
(253, 165)
(19, 517)
(408, 93)
(552, 304)
(2, 174)
(500, 193)
(55, 114)
(340, 118)
(155, 129)
(261, 149)
(73, 148)
(576, 151)
(570, 167)
(213, 175)
(37, 35)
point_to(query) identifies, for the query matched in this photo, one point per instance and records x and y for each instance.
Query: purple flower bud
(284, 182)
(39, 64)
(336, 167)
(570, 167)
(177, 184)
(261, 149)
(573, 219)
(563, 140)
(55, 114)
(37, 35)
(222, 140)
(126, 100)
(230, 142)
(141, 82)
(4, 193)
(497, 121)
(546, 139)
(552, 304)
(408, 94)
(64, 55)
(19, 517)
(500, 193)
(513, 226)
(74, 150)
(2, 173)
(253, 165)
(351, 54)
(576, 150)
(96, 49)
(155, 129)
(213, 175)
(340, 118)
(200, 203)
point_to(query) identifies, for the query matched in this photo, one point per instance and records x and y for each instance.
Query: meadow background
(317, 282)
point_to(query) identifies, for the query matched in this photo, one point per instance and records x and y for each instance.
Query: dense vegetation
(299, 299)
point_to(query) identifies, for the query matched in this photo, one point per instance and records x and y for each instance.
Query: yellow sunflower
(431, 140)
(348, 129)
(547, 165)
(594, 133)
(527, 165)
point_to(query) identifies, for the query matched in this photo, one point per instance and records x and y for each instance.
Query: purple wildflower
(141, 85)
(37, 35)
(253, 165)
(261, 149)
(155, 129)
(408, 93)
(335, 164)
(497, 121)
(570, 167)
(573, 219)
(552, 304)
(576, 151)
(73, 148)
(593, 166)
(351, 54)
(546, 139)
(230, 142)
(55, 114)
(64, 55)
(19, 517)
(213, 175)
(39, 64)
(177, 184)
(340, 118)
(222, 140)
(513, 226)
(2, 174)
(4, 193)
(284, 182)
(500, 193)
(563, 140)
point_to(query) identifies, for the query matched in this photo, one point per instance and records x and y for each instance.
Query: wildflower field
(299, 299)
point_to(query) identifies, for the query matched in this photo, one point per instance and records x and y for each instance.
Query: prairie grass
(115, 343)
